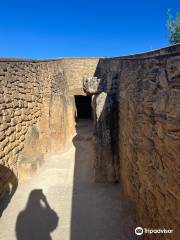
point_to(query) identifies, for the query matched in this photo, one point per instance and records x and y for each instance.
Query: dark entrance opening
(83, 106)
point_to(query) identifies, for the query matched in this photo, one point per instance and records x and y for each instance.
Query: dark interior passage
(83, 106)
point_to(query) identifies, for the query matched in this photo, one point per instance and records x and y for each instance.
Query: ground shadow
(8, 186)
(82, 224)
(37, 220)
(98, 210)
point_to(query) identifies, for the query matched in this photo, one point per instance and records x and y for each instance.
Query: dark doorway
(83, 106)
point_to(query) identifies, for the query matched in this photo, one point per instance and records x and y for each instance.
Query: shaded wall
(148, 100)
(149, 140)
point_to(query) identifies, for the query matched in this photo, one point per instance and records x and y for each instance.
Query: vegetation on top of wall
(173, 25)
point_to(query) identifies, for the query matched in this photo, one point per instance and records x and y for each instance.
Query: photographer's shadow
(37, 220)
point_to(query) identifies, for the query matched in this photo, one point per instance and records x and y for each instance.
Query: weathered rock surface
(104, 104)
(8, 186)
(148, 96)
(93, 85)
(31, 157)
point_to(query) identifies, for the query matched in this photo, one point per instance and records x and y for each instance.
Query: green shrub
(174, 28)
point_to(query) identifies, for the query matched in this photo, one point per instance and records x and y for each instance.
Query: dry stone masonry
(136, 118)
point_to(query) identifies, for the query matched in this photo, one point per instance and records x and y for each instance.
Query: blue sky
(49, 29)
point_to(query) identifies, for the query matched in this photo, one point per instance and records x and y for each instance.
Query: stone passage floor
(61, 202)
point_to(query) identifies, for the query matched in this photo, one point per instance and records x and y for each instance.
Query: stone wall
(103, 87)
(149, 138)
(76, 70)
(37, 110)
(62, 80)
(148, 100)
(29, 91)
(20, 108)
(55, 106)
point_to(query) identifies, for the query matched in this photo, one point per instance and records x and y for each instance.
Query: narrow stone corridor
(62, 202)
